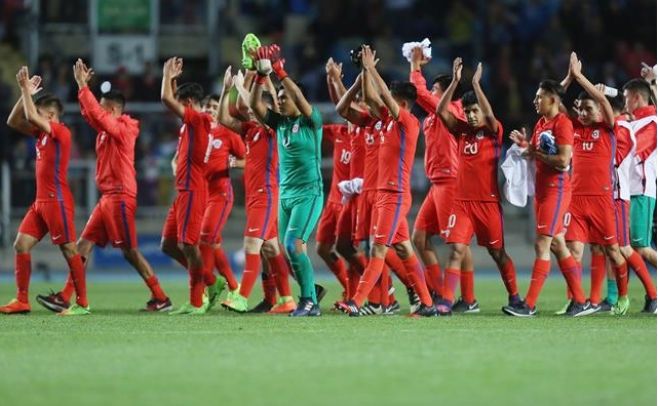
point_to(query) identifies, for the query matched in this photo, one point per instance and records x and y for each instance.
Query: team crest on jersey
(295, 128)
(378, 126)
(390, 125)
(216, 143)
(479, 135)
(595, 134)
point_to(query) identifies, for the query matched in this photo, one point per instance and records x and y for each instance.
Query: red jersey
(441, 150)
(372, 133)
(593, 159)
(548, 178)
(260, 171)
(358, 145)
(193, 151)
(396, 153)
(53, 153)
(479, 152)
(337, 134)
(224, 143)
(115, 146)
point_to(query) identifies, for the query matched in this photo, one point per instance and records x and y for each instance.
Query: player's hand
(575, 66)
(228, 79)
(477, 76)
(82, 73)
(263, 62)
(177, 68)
(35, 85)
(418, 58)
(367, 57)
(520, 138)
(457, 66)
(600, 87)
(278, 62)
(647, 73)
(23, 78)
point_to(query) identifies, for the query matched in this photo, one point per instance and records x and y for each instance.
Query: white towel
(425, 44)
(519, 177)
(349, 188)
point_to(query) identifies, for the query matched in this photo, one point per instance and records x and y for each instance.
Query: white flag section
(519, 177)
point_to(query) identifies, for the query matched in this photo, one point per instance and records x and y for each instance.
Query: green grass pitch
(119, 356)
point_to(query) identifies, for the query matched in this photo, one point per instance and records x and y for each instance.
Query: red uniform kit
(553, 187)
(261, 184)
(338, 135)
(476, 209)
(220, 192)
(372, 135)
(441, 162)
(113, 218)
(592, 212)
(347, 219)
(52, 211)
(185, 216)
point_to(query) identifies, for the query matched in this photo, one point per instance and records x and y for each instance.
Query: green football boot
(250, 44)
(75, 310)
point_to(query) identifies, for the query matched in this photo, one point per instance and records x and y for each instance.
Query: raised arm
(345, 108)
(491, 122)
(424, 97)
(172, 69)
(224, 117)
(559, 161)
(31, 114)
(598, 96)
(442, 111)
(369, 65)
(293, 91)
(16, 119)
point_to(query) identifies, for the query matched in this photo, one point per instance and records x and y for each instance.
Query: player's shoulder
(59, 130)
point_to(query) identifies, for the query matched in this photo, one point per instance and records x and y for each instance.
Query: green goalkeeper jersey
(298, 144)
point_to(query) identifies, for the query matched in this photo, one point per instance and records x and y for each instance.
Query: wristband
(261, 79)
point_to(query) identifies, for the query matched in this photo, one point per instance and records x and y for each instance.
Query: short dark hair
(211, 97)
(301, 87)
(404, 90)
(444, 81)
(48, 100)
(190, 90)
(616, 102)
(582, 96)
(552, 86)
(469, 98)
(115, 96)
(639, 86)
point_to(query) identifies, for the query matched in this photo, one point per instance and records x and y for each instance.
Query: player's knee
(293, 248)
(345, 248)
(270, 250)
(419, 240)
(379, 250)
(129, 254)
(21, 246)
(69, 250)
(497, 254)
(457, 252)
(323, 250)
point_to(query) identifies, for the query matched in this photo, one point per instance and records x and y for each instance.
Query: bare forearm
(297, 97)
(486, 107)
(17, 115)
(559, 162)
(256, 101)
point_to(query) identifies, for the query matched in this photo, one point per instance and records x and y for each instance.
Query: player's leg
(278, 267)
(571, 272)
(252, 250)
(326, 239)
(598, 273)
(641, 213)
(426, 224)
(637, 264)
(169, 241)
(415, 274)
(30, 232)
(269, 288)
(77, 272)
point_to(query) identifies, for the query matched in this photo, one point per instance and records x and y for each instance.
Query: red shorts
(390, 218)
(113, 220)
(328, 225)
(591, 219)
(436, 209)
(365, 215)
(623, 221)
(345, 229)
(185, 216)
(484, 219)
(50, 216)
(217, 211)
(550, 211)
(262, 212)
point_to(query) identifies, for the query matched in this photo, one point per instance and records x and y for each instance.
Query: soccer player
(551, 148)
(398, 138)
(298, 128)
(53, 209)
(441, 166)
(476, 209)
(591, 212)
(182, 229)
(261, 192)
(113, 218)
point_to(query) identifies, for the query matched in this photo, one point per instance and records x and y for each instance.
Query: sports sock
(416, 277)
(570, 270)
(376, 292)
(452, 277)
(540, 271)
(23, 265)
(197, 286)
(250, 274)
(621, 274)
(208, 260)
(269, 288)
(383, 288)
(279, 268)
(77, 269)
(156, 290)
(434, 278)
(508, 274)
(397, 266)
(612, 292)
(224, 268)
(466, 285)
(68, 289)
(338, 268)
(636, 262)
(598, 276)
(368, 279)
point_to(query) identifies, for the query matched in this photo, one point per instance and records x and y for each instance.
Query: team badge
(595, 134)
(479, 135)
(378, 126)
(295, 128)
(216, 143)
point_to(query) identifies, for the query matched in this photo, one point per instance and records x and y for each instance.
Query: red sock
(224, 267)
(368, 279)
(279, 269)
(598, 276)
(269, 289)
(621, 274)
(540, 271)
(397, 266)
(508, 273)
(571, 272)
(156, 291)
(637, 264)
(68, 289)
(340, 271)
(23, 264)
(452, 276)
(353, 281)
(78, 274)
(417, 278)
(208, 260)
(250, 274)
(383, 289)
(434, 278)
(359, 262)
(197, 286)
(376, 292)
(466, 285)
